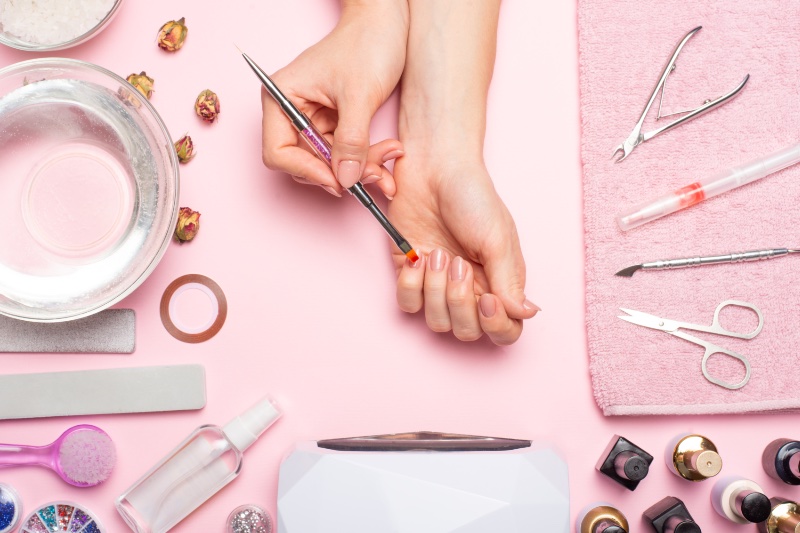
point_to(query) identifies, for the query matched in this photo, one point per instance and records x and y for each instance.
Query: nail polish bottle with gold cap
(784, 518)
(601, 518)
(693, 457)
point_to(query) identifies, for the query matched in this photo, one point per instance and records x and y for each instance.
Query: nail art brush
(756, 255)
(322, 149)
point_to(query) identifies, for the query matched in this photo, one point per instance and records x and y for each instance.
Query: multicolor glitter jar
(10, 508)
(61, 516)
(249, 519)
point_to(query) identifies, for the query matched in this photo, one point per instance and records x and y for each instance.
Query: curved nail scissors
(673, 327)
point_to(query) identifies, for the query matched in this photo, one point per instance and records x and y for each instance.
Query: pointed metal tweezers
(637, 137)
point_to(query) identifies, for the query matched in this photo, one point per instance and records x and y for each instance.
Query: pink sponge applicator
(83, 456)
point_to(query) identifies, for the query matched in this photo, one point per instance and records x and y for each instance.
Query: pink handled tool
(83, 456)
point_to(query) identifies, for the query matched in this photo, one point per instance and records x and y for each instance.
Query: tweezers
(637, 137)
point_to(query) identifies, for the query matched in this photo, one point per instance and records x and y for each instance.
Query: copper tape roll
(213, 329)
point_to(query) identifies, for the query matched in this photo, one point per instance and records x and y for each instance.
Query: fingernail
(487, 305)
(458, 269)
(530, 306)
(389, 197)
(437, 260)
(331, 190)
(371, 179)
(349, 173)
(394, 154)
(414, 264)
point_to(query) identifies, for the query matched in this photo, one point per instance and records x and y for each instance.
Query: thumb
(505, 270)
(350, 143)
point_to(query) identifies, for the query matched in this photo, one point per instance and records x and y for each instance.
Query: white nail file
(109, 331)
(98, 392)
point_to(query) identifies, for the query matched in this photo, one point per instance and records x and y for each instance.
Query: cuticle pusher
(755, 255)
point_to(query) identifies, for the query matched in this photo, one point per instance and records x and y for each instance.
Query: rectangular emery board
(101, 392)
(109, 331)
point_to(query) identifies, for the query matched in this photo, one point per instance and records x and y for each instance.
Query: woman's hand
(471, 275)
(339, 83)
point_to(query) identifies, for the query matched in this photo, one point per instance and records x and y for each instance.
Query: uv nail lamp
(423, 483)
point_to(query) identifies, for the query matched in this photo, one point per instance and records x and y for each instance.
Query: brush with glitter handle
(322, 148)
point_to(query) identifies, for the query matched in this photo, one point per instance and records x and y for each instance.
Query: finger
(351, 142)
(505, 269)
(300, 180)
(461, 301)
(496, 323)
(409, 285)
(281, 152)
(436, 312)
(376, 172)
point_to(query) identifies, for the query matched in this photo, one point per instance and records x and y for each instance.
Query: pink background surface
(312, 318)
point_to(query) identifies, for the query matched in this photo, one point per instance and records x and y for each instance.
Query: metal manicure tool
(755, 255)
(637, 137)
(674, 327)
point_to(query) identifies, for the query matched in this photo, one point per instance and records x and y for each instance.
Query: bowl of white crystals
(44, 25)
(88, 189)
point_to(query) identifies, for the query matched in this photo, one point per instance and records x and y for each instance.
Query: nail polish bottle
(209, 459)
(740, 500)
(624, 462)
(670, 515)
(784, 517)
(781, 460)
(601, 518)
(693, 457)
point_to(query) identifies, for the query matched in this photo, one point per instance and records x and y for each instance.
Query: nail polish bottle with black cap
(624, 462)
(670, 515)
(781, 460)
(740, 500)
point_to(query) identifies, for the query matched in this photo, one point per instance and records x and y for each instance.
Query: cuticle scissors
(673, 327)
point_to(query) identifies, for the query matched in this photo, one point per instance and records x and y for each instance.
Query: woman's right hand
(339, 83)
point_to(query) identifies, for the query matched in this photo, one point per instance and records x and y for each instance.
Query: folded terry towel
(624, 45)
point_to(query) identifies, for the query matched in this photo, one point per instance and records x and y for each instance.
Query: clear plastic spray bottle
(209, 459)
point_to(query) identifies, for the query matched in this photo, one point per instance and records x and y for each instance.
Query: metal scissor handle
(717, 328)
(712, 349)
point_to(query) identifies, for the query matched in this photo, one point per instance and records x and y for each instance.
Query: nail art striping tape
(170, 316)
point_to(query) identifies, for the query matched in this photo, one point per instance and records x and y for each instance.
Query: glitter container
(10, 508)
(59, 517)
(249, 519)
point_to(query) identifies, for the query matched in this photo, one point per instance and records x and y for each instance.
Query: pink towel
(624, 44)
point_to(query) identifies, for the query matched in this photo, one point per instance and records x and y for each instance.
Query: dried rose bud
(184, 147)
(142, 83)
(188, 225)
(207, 105)
(172, 35)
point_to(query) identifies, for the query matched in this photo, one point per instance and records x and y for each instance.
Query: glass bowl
(88, 189)
(13, 41)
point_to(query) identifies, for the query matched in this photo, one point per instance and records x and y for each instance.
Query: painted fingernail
(487, 305)
(437, 260)
(349, 173)
(331, 190)
(394, 154)
(371, 179)
(414, 264)
(458, 269)
(530, 306)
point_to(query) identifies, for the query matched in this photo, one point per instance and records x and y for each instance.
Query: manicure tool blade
(649, 321)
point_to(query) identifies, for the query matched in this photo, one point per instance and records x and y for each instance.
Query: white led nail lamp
(423, 483)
